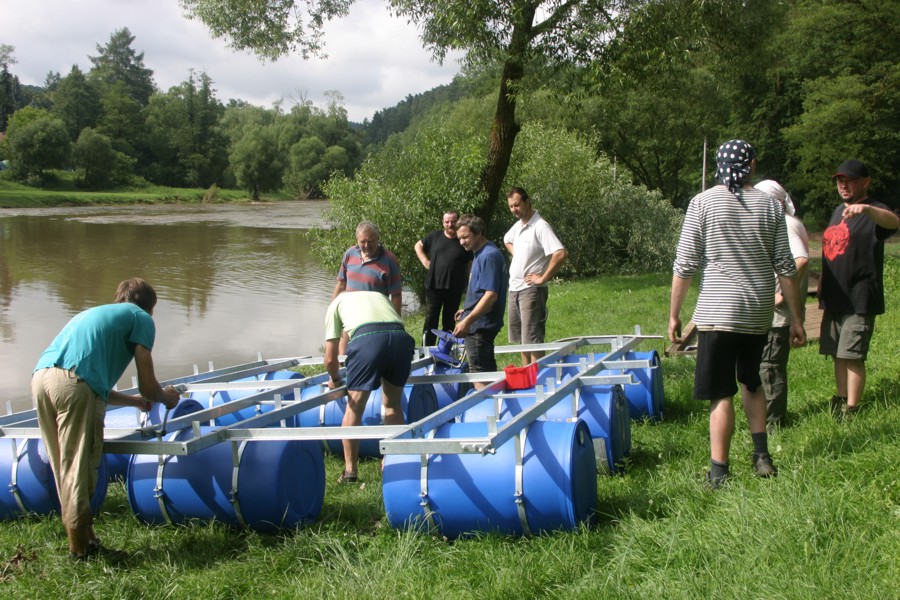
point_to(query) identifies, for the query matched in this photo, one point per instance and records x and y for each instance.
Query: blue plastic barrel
(645, 397)
(648, 398)
(26, 480)
(275, 485)
(224, 396)
(603, 408)
(446, 393)
(458, 494)
(418, 401)
(127, 417)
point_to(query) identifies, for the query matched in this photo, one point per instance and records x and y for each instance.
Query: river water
(233, 281)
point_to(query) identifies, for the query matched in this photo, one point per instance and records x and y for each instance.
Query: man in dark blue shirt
(481, 318)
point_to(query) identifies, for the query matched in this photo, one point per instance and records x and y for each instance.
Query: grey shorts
(527, 315)
(846, 336)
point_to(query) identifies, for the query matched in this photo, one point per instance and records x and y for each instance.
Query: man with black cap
(734, 236)
(851, 291)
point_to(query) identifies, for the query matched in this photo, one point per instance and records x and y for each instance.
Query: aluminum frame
(412, 438)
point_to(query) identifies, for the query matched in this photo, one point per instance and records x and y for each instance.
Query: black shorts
(379, 350)
(723, 356)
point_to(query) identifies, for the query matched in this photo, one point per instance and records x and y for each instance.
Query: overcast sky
(374, 60)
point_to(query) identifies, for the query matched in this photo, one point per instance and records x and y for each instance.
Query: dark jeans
(480, 350)
(440, 306)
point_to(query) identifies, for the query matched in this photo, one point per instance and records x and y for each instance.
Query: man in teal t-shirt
(72, 384)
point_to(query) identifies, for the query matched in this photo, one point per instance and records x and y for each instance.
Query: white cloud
(374, 60)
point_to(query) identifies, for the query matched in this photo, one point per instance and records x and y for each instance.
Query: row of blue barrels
(646, 397)
(271, 484)
(210, 484)
(281, 484)
(268, 485)
(548, 484)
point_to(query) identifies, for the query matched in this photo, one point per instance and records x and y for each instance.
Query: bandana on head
(733, 163)
(774, 189)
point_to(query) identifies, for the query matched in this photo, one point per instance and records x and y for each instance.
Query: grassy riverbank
(64, 192)
(827, 527)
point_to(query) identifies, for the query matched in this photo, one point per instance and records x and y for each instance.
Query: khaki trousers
(70, 416)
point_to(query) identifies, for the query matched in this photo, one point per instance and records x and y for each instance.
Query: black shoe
(847, 413)
(715, 483)
(837, 406)
(763, 466)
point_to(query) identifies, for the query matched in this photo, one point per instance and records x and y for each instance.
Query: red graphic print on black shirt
(835, 240)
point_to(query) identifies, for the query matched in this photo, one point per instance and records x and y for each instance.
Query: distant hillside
(397, 118)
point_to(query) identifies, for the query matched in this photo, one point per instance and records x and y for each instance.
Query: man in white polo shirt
(537, 255)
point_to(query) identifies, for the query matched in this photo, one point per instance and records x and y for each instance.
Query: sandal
(347, 478)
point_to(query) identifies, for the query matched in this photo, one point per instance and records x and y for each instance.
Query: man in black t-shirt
(448, 266)
(851, 291)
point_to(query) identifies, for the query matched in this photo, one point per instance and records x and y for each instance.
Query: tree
(848, 92)
(100, 164)
(122, 120)
(306, 170)
(76, 101)
(256, 161)
(12, 97)
(37, 145)
(118, 62)
(516, 32)
(186, 144)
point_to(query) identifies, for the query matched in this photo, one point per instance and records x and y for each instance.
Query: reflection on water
(232, 280)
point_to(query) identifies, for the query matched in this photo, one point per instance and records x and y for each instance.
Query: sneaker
(715, 483)
(763, 466)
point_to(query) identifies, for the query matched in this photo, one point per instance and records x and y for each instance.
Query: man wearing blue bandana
(734, 236)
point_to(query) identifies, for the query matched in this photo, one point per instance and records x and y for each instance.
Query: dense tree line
(115, 128)
(649, 83)
(808, 81)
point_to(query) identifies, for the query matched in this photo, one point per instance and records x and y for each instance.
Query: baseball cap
(853, 169)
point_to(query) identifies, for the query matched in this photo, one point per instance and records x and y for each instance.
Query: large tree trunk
(505, 128)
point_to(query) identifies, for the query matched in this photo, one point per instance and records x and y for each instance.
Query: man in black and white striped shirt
(734, 236)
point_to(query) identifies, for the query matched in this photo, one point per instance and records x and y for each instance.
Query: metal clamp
(159, 492)
(13, 486)
(519, 497)
(423, 485)
(237, 453)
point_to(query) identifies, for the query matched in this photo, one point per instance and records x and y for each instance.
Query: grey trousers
(773, 372)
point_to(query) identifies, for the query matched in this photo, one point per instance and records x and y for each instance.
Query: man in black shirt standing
(851, 290)
(448, 266)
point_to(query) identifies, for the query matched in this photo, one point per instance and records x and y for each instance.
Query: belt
(371, 328)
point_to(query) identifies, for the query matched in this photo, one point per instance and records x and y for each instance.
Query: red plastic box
(521, 378)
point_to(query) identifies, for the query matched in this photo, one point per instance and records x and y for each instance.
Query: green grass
(827, 527)
(62, 190)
